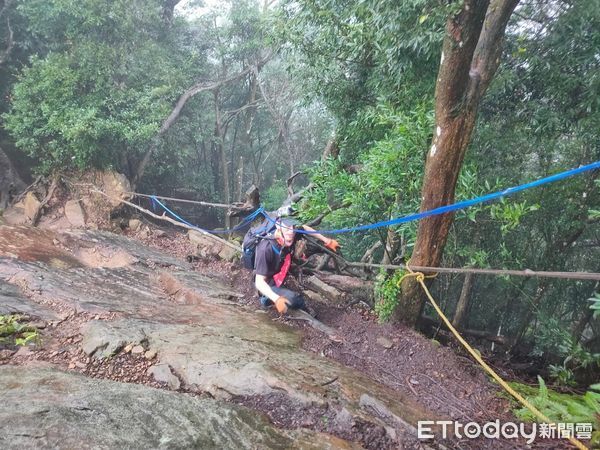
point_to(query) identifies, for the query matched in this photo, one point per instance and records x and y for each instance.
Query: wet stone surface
(48, 408)
(188, 322)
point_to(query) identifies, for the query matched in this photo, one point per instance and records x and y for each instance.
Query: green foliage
(595, 304)
(387, 183)
(540, 116)
(99, 97)
(357, 55)
(566, 408)
(274, 196)
(387, 290)
(554, 340)
(510, 213)
(14, 332)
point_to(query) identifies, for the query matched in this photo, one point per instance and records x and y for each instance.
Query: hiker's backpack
(251, 240)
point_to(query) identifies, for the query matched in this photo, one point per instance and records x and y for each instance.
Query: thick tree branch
(230, 115)
(174, 115)
(489, 47)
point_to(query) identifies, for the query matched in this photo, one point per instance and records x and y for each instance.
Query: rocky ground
(138, 312)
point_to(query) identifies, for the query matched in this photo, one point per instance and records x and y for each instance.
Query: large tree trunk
(221, 151)
(470, 57)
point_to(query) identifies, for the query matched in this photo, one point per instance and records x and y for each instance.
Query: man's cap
(286, 210)
(288, 223)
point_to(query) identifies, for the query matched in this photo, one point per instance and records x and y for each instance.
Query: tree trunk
(518, 337)
(392, 243)
(463, 301)
(470, 57)
(580, 325)
(331, 150)
(240, 179)
(168, 11)
(5, 53)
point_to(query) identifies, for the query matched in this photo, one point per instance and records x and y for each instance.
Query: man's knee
(296, 299)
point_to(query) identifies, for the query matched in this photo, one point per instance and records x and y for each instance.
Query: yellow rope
(420, 277)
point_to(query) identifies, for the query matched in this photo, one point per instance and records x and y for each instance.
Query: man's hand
(282, 304)
(332, 245)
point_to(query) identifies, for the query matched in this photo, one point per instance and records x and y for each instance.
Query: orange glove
(282, 304)
(333, 245)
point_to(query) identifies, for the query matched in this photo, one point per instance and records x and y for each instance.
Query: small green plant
(387, 290)
(553, 339)
(510, 213)
(14, 332)
(562, 375)
(566, 408)
(595, 304)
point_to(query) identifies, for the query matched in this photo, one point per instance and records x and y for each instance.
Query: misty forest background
(201, 100)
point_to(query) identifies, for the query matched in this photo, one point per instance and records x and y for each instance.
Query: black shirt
(267, 261)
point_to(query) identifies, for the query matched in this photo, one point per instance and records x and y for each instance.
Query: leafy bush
(553, 339)
(566, 408)
(595, 304)
(90, 102)
(387, 290)
(274, 196)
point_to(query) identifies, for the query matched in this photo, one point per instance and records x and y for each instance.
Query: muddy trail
(132, 310)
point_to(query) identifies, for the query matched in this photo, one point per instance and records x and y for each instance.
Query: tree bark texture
(470, 57)
(463, 301)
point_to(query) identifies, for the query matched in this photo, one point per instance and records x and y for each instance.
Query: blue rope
(456, 206)
(242, 224)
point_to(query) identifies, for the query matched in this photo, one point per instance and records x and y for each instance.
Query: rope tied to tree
(420, 278)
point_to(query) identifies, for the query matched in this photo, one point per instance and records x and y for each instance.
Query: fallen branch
(298, 314)
(168, 219)
(181, 200)
(503, 340)
(368, 256)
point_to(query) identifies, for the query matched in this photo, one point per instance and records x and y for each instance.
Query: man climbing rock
(273, 258)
